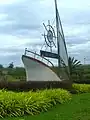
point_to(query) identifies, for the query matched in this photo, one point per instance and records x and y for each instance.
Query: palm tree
(73, 65)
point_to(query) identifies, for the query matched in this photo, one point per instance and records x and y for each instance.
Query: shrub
(81, 88)
(30, 103)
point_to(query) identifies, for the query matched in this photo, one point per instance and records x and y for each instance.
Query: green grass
(76, 109)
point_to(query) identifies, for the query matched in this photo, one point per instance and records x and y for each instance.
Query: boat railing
(39, 57)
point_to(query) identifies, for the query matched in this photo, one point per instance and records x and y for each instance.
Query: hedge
(81, 88)
(14, 104)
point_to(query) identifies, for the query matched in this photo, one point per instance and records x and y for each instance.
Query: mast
(57, 29)
(60, 35)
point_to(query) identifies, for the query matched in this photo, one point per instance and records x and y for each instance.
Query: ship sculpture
(39, 67)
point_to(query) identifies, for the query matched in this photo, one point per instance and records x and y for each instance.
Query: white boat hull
(36, 70)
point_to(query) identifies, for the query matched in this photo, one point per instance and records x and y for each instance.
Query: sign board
(48, 54)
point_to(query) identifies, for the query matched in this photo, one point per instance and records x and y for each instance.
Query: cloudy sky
(21, 27)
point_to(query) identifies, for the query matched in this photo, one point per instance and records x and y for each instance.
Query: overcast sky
(21, 26)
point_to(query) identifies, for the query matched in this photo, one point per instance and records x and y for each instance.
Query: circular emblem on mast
(49, 35)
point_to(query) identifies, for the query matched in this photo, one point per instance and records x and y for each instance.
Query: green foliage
(32, 103)
(11, 65)
(74, 69)
(82, 74)
(73, 65)
(87, 76)
(1, 66)
(10, 78)
(82, 88)
(17, 72)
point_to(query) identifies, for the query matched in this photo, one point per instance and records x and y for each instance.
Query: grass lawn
(77, 109)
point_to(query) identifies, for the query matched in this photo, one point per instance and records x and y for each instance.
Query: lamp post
(84, 60)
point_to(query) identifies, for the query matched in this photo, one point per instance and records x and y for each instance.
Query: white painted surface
(36, 71)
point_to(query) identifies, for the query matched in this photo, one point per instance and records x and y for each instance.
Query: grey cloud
(73, 40)
(22, 30)
(25, 18)
(34, 44)
(22, 19)
(81, 57)
(72, 16)
(5, 60)
(11, 50)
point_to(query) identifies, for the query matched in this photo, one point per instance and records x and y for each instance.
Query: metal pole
(84, 60)
(58, 44)
(57, 29)
(25, 51)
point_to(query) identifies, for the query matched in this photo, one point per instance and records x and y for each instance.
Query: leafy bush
(21, 103)
(82, 88)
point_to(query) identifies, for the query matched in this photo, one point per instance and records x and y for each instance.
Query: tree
(1, 66)
(73, 66)
(1, 70)
(11, 65)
